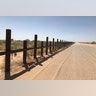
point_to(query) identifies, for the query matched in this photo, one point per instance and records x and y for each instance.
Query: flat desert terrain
(77, 62)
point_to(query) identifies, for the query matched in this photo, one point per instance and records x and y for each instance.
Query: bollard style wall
(50, 47)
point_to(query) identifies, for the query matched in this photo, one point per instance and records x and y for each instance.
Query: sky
(69, 28)
(47, 7)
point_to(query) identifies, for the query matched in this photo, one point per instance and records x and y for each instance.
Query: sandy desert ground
(16, 64)
(77, 62)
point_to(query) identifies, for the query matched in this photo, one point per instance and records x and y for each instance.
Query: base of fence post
(7, 75)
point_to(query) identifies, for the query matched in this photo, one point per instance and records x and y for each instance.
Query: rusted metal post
(35, 46)
(57, 44)
(46, 45)
(60, 44)
(53, 44)
(7, 57)
(50, 47)
(25, 51)
(42, 48)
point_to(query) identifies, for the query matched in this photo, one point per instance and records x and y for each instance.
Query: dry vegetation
(2, 45)
(18, 44)
(93, 42)
(17, 58)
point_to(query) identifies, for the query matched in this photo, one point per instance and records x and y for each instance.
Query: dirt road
(77, 62)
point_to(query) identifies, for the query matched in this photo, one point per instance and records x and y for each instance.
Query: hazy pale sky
(70, 28)
(47, 7)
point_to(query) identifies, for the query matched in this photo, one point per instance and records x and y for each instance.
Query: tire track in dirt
(81, 65)
(67, 71)
(51, 70)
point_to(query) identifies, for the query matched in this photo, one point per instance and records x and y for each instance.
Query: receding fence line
(50, 47)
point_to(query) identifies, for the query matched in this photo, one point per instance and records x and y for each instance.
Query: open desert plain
(78, 62)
